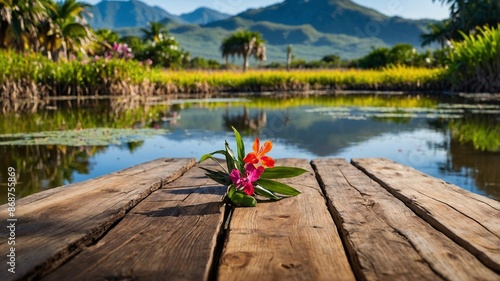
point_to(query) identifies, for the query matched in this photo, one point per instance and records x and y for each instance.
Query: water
(424, 133)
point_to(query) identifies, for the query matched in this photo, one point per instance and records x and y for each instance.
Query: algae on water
(84, 137)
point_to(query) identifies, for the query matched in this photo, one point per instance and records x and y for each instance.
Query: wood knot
(291, 265)
(452, 256)
(239, 259)
(274, 217)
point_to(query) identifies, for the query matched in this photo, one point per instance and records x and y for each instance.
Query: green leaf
(278, 187)
(266, 193)
(231, 191)
(242, 199)
(210, 155)
(218, 176)
(240, 146)
(230, 157)
(280, 172)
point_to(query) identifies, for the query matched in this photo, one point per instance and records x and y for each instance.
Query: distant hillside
(314, 28)
(332, 17)
(203, 16)
(120, 14)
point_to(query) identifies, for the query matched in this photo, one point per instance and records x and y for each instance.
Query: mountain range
(203, 16)
(314, 28)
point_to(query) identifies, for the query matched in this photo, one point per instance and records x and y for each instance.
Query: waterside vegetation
(470, 65)
(31, 76)
(72, 59)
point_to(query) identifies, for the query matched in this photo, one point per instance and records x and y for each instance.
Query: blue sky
(406, 8)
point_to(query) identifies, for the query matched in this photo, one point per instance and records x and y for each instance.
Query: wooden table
(371, 219)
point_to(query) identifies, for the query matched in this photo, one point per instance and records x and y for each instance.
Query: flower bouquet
(251, 174)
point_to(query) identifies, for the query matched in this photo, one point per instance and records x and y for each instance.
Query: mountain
(332, 17)
(121, 14)
(314, 28)
(203, 16)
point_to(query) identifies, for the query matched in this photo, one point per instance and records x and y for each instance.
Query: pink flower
(246, 180)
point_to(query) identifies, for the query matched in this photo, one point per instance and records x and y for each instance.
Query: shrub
(475, 62)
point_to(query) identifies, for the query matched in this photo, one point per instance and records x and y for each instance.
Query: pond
(57, 142)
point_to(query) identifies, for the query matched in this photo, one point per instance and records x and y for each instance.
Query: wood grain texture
(385, 239)
(471, 220)
(171, 235)
(54, 226)
(292, 239)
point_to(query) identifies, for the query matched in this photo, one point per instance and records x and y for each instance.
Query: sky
(411, 9)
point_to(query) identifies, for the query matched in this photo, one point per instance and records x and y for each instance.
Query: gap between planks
(171, 235)
(55, 226)
(471, 220)
(291, 239)
(385, 239)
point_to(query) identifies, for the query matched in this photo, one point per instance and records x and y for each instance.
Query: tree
(439, 32)
(18, 23)
(402, 54)
(399, 54)
(288, 56)
(64, 31)
(244, 43)
(134, 42)
(465, 17)
(165, 53)
(105, 39)
(156, 32)
(332, 60)
(377, 58)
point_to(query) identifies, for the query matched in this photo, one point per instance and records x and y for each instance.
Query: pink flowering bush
(119, 50)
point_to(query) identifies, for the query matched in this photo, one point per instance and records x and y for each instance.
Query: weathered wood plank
(52, 228)
(171, 235)
(471, 220)
(385, 239)
(293, 239)
(81, 187)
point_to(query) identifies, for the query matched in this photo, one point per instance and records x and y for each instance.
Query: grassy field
(395, 78)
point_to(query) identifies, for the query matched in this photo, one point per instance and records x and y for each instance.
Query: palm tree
(18, 22)
(439, 32)
(467, 15)
(67, 30)
(244, 43)
(288, 56)
(157, 32)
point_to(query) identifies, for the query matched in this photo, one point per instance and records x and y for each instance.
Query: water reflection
(480, 166)
(43, 167)
(424, 133)
(245, 123)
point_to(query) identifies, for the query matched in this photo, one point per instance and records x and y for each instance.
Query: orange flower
(259, 154)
